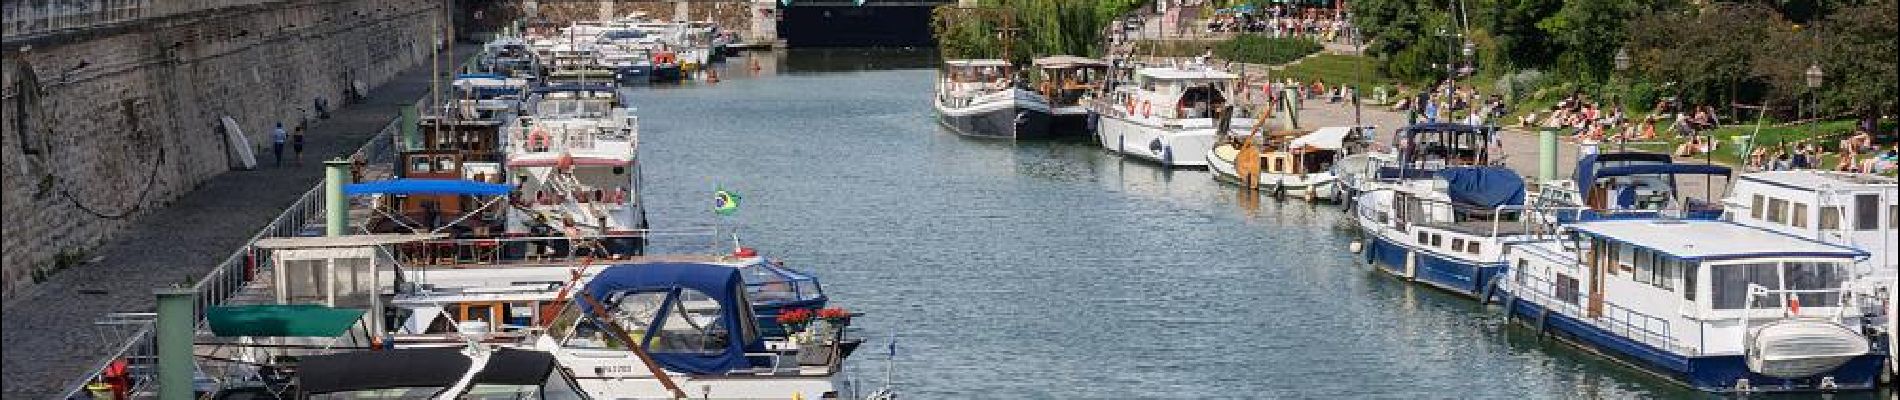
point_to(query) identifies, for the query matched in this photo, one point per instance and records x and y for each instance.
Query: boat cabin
(1854, 210)
(1424, 148)
(1178, 93)
(1066, 80)
(1633, 185)
(976, 75)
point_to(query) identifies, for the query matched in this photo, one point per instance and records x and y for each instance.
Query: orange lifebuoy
(538, 140)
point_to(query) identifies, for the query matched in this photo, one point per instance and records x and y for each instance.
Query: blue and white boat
(1714, 305)
(1439, 213)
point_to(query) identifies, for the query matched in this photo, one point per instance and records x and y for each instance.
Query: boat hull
(1070, 122)
(665, 74)
(1712, 373)
(1463, 277)
(1170, 147)
(1006, 118)
(1317, 186)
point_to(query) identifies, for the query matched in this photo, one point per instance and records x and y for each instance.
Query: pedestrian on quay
(277, 138)
(296, 147)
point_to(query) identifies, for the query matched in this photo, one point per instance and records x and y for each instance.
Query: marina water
(1057, 270)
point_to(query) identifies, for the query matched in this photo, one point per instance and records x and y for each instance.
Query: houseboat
(981, 98)
(1168, 115)
(1067, 82)
(1714, 305)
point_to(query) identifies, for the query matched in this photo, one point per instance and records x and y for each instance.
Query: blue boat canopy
(426, 186)
(1588, 165)
(1484, 186)
(679, 284)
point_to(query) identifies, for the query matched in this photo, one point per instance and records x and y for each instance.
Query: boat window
(1866, 212)
(1457, 244)
(1777, 211)
(1567, 289)
(1830, 218)
(633, 313)
(560, 386)
(304, 282)
(1645, 266)
(1665, 274)
(1436, 239)
(1423, 238)
(1689, 270)
(1800, 217)
(444, 164)
(691, 326)
(1522, 264)
(1755, 207)
(1815, 276)
(419, 165)
(1729, 283)
(1626, 257)
(1893, 216)
(1472, 247)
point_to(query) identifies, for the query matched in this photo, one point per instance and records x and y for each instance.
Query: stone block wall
(102, 127)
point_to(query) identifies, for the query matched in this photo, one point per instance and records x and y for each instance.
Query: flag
(725, 203)
(893, 344)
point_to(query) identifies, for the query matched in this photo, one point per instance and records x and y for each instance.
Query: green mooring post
(175, 322)
(1546, 155)
(336, 208)
(410, 140)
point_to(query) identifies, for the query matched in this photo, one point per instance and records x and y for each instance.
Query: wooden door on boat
(1598, 257)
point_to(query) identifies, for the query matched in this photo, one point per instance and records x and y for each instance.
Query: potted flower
(837, 316)
(794, 320)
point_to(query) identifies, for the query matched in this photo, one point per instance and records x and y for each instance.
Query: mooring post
(410, 140)
(175, 322)
(1546, 155)
(336, 209)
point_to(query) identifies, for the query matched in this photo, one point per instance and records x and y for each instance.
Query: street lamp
(1469, 51)
(1814, 76)
(1622, 59)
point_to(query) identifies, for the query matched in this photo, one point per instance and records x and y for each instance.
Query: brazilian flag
(725, 203)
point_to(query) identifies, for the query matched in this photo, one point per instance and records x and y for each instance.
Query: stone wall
(101, 126)
(731, 15)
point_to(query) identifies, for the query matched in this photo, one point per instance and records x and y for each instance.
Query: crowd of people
(1856, 153)
(1321, 24)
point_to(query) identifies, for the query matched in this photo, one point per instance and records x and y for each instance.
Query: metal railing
(225, 280)
(1643, 328)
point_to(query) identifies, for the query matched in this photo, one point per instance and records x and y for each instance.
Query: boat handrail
(1641, 327)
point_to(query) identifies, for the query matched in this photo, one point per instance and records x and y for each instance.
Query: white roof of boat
(1327, 138)
(309, 242)
(1069, 61)
(1702, 239)
(1811, 180)
(987, 62)
(1186, 73)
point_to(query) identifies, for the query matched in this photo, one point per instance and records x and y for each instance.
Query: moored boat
(1168, 115)
(980, 98)
(1442, 212)
(1755, 311)
(1299, 164)
(1067, 82)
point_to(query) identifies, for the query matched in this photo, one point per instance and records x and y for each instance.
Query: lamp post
(1622, 63)
(1815, 77)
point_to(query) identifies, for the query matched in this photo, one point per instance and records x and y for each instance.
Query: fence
(224, 281)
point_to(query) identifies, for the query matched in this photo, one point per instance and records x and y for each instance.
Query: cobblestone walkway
(48, 331)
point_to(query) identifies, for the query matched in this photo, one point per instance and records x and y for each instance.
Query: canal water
(1056, 270)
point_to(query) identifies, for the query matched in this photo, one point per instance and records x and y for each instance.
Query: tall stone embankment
(107, 121)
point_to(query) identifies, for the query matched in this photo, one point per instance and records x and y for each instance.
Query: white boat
(1715, 305)
(1167, 115)
(1298, 166)
(573, 164)
(980, 98)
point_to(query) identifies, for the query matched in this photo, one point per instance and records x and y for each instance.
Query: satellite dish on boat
(240, 147)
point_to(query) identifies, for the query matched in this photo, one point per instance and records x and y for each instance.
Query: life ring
(538, 140)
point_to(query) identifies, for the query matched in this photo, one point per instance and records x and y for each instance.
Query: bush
(1257, 49)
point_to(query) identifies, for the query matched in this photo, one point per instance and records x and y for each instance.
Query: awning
(369, 370)
(281, 320)
(426, 186)
(1328, 138)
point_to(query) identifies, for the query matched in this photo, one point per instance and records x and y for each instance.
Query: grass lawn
(1732, 138)
(1338, 69)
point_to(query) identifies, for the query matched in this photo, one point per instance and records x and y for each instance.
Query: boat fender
(1146, 109)
(565, 163)
(1356, 246)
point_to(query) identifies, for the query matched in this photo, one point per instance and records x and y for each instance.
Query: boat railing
(1644, 328)
(230, 277)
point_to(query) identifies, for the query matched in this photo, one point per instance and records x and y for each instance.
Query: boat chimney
(336, 208)
(175, 322)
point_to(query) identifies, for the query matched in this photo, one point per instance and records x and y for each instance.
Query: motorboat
(1168, 115)
(573, 164)
(1631, 185)
(981, 98)
(1441, 214)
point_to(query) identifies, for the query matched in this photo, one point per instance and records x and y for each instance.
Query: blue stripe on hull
(1452, 275)
(1706, 373)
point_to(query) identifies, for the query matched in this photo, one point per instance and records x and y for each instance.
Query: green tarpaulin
(281, 320)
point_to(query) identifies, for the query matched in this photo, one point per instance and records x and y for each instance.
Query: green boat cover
(281, 320)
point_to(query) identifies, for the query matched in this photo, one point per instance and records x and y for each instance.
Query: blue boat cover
(1484, 186)
(1589, 164)
(721, 283)
(426, 186)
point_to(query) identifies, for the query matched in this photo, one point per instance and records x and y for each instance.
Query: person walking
(296, 147)
(277, 137)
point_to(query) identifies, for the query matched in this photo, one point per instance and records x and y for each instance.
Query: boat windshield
(570, 107)
(767, 283)
(1729, 283)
